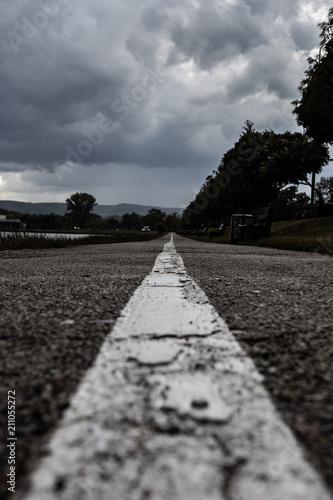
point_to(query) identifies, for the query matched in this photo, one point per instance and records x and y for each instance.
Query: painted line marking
(184, 417)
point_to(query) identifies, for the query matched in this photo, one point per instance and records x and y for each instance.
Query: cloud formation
(113, 96)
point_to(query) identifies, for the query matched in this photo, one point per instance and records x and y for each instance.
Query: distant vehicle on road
(145, 228)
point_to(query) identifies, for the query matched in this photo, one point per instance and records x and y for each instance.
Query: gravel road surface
(58, 305)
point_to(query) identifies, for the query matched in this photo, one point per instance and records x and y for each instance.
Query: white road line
(173, 408)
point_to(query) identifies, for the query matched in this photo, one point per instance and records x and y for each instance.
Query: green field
(311, 235)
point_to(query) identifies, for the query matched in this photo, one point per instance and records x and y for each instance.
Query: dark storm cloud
(154, 85)
(304, 34)
(211, 34)
(272, 71)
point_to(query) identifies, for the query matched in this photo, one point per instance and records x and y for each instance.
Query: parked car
(145, 228)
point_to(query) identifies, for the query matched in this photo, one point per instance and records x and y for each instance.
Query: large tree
(80, 207)
(153, 218)
(314, 109)
(252, 173)
(263, 163)
(131, 221)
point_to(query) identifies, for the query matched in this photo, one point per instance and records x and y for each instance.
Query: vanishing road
(213, 381)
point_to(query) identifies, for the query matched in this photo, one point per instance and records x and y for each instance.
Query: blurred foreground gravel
(278, 305)
(56, 307)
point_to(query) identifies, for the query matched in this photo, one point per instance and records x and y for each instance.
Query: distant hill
(102, 210)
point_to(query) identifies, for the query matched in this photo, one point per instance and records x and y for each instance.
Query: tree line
(266, 168)
(80, 215)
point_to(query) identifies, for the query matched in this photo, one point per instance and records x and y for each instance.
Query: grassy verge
(21, 241)
(312, 235)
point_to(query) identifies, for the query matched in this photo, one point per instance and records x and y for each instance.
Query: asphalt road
(278, 305)
(58, 305)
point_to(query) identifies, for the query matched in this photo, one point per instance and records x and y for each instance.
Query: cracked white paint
(195, 395)
(153, 352)
(145, 352)
(189, 419)
(167, 311)
(181, 457)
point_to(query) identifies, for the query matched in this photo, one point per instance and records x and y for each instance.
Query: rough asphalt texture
(58, 305)
(56, 308)
(278, 305)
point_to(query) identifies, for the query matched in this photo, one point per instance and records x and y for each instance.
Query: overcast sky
(138, 101)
